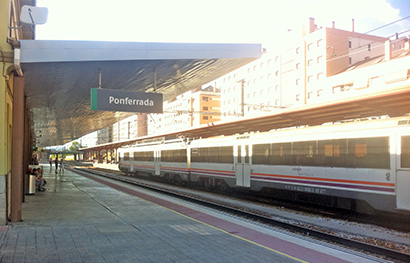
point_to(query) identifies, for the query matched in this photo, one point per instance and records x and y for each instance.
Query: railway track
(319, 233)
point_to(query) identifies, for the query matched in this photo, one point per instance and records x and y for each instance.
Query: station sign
(129, 101)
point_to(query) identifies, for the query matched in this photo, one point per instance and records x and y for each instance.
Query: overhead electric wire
(377, 28)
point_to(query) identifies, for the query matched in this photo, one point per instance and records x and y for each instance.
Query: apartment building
(326, 64)
(294, 77)
(190, 109)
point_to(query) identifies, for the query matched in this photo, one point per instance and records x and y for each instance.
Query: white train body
(351, 165)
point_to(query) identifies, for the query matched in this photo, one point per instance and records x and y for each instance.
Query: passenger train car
(362, 166)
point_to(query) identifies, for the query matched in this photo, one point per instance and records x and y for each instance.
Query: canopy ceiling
(58, 77)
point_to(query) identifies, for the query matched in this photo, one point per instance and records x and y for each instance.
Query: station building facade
(14, 137)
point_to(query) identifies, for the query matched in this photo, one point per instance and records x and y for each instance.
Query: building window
(319, 59)
(276, 58)
(204, 108)
(276, 87)
(369, 47)
(310, 62)
(298, 50)
(297, 81)
(350, 60)
(297, 65)
(319, 42)
(277, 73)
(319, 92)
(309, 79)
(319, 75)
(204, 117)
(205, 98)
(350, 44)
(297, 97)
(309, 47)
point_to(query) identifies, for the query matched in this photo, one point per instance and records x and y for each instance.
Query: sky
(268, 22)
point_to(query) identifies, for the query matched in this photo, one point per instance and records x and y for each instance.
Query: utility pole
(242, 81)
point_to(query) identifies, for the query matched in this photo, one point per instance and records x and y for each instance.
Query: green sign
(130, 101)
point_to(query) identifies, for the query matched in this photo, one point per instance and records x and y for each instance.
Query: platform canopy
(58, 77)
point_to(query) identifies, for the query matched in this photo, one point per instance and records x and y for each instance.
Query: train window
(328, 150)
(332, 153)
(405, 152)
(144, 156)
(174, 156)
(281, 154)
(196, 154)
(126, 156)
(358, 153)
(246, 153)
(360, 150)
(261, 153)
(369, 153)
(239, 155)
(304, 153)
(226, 154)
(213, 154)
(223, 154)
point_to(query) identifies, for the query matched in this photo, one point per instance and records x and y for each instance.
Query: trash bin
(31, 184)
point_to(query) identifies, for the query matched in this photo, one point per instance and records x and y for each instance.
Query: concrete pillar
(17, 169)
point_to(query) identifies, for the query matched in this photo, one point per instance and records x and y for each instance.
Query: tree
(75, 146)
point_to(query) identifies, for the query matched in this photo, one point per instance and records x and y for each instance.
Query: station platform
(82, 219)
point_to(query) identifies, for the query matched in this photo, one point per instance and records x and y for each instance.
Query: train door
(403, 173)
(157, 162)
(242, 166)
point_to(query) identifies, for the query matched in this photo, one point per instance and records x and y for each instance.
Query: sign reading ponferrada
(131, 101)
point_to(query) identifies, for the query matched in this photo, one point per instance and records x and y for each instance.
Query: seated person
(39, 180)
(40, 172)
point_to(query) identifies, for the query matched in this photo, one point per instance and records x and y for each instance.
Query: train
(361, 165)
